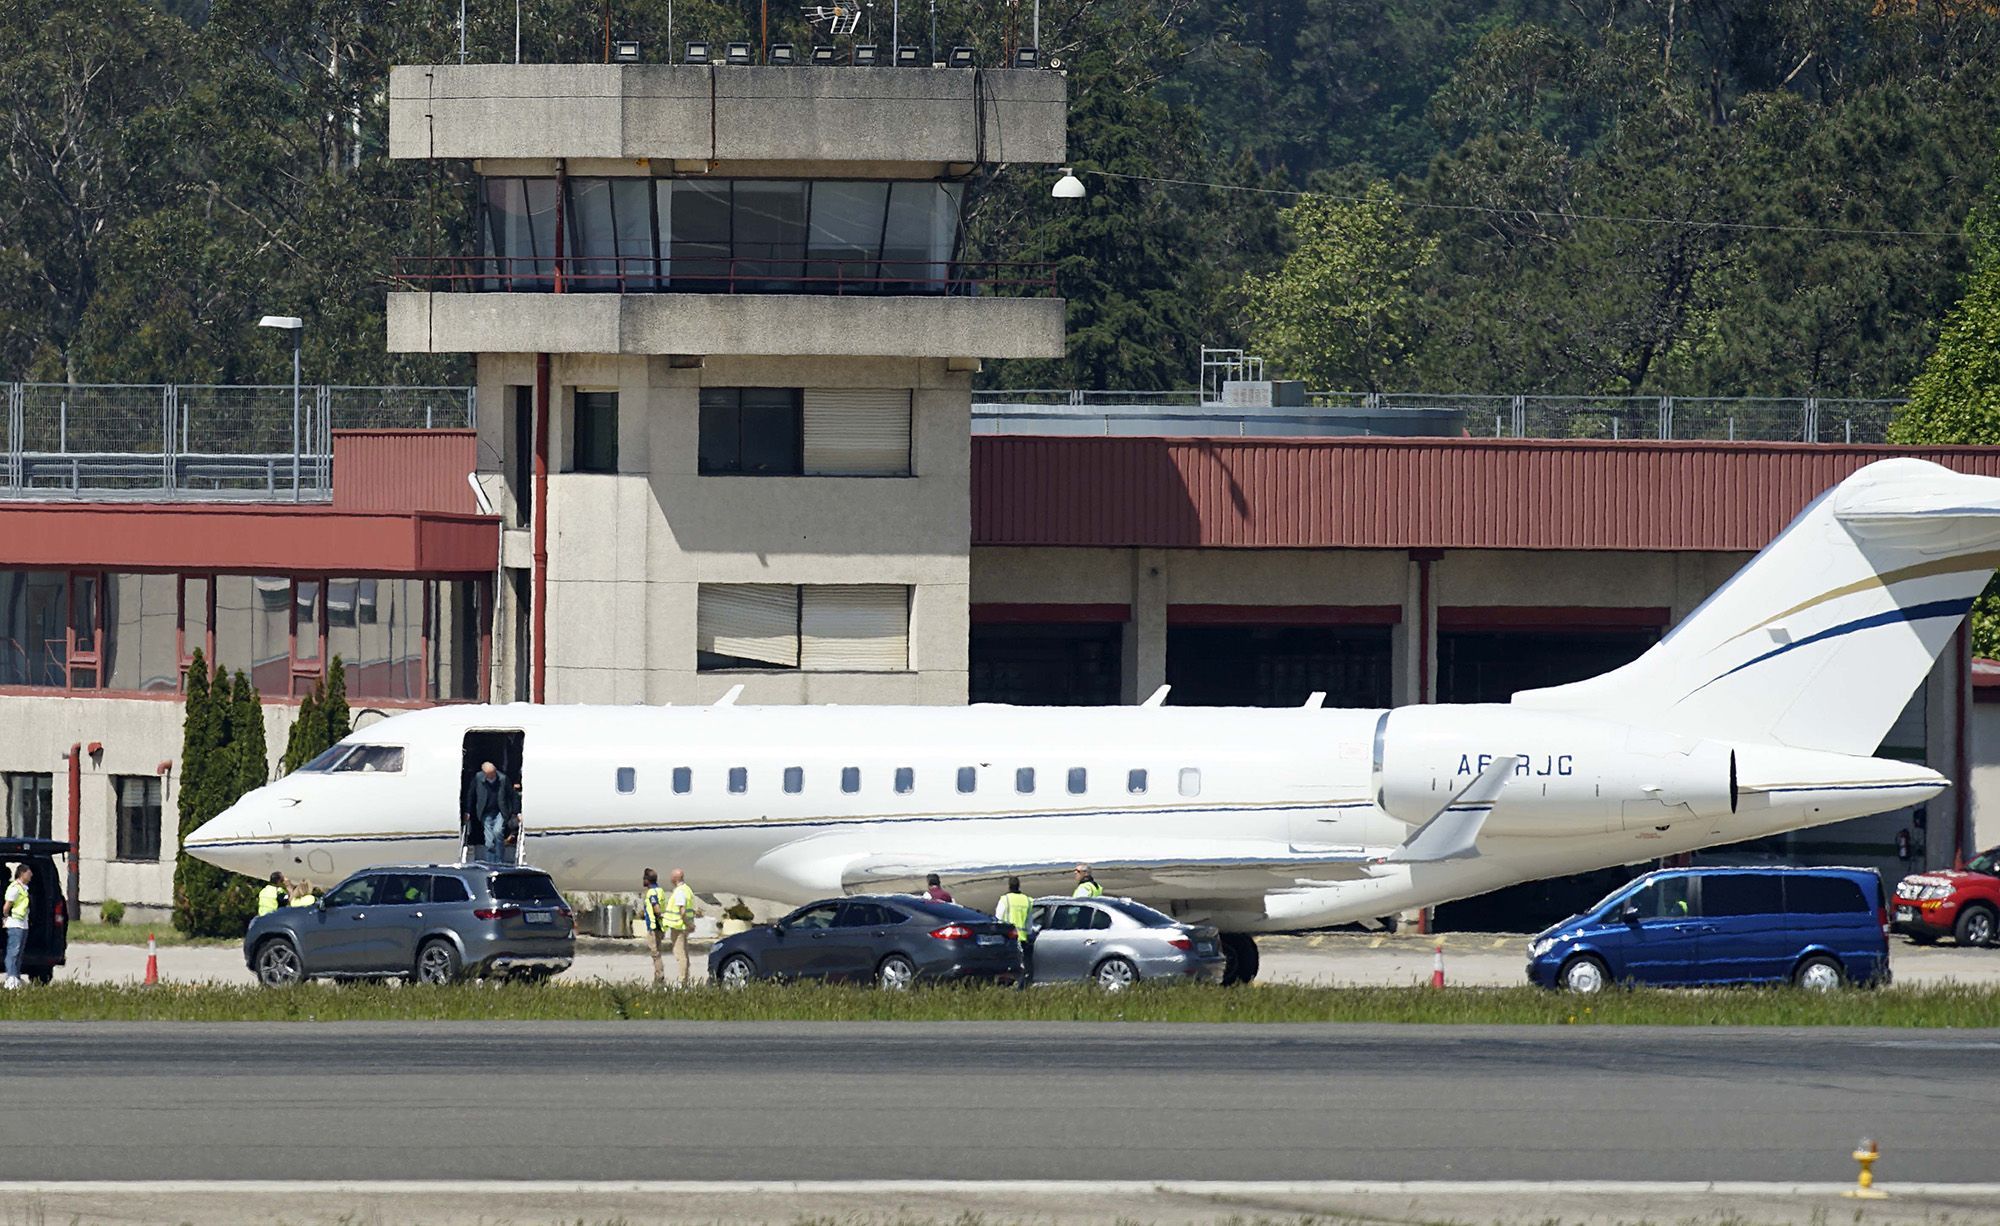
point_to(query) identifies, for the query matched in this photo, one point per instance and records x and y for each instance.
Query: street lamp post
(297, 327)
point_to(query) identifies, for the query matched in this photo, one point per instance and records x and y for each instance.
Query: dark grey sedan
(431, 923)
(1116, 942)
(893, 940)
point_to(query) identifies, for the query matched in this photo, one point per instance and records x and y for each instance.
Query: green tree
(208, 769)
(307, 739)
(339, 721)
(1341, 312)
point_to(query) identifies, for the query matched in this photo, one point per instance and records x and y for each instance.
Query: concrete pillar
(1146, 634)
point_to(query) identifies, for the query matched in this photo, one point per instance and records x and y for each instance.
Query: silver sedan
(1116, 942)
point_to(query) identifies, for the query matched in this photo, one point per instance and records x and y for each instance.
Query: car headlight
(1538, 948)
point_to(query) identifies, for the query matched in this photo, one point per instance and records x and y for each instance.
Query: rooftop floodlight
(906, 57)
(1069, 187)
(625, 51)
(961, 57)
(736, 53)
(1027, 57)
(866, 55)
(782, 53)
(697, 51)
(289, 322)
(824, 56)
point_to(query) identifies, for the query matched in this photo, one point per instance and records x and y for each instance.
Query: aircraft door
(506, 750)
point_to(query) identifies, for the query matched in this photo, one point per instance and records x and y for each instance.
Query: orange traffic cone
(1437, 966)
(152, 978)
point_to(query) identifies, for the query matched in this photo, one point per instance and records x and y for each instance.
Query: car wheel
(438, 962)
(1920, 938)
(1975, 927)
(737, 971)
(1116, 974)
(45, 975)
(278, 964)
(1584, 975)
(1818, 973)
(1239, 950)
(896, 974)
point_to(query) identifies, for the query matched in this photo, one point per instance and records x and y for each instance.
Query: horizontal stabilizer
(1453, 833)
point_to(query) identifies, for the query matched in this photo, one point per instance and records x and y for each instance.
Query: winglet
(1315, 699)
(1159, 698)
(1453, 832)
(729, 699)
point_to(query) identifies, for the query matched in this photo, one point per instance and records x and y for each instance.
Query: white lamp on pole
(1069, 187)
(297, 327)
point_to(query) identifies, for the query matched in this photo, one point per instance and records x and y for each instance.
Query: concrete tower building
(725, 345)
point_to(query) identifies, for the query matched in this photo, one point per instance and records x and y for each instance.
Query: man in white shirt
(15, 910)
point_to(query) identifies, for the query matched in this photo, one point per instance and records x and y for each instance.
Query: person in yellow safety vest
(653, 910)
(1016, 908)
(679, 910)
(305, 896)
(16, 910)
(272, 896)
(1086, 885)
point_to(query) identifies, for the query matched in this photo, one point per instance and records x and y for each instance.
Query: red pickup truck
(1963, 903)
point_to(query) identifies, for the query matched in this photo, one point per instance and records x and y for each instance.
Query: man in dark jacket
(934, 889)
(490, 800)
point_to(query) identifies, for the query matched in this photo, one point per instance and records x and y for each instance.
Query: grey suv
(431, 923)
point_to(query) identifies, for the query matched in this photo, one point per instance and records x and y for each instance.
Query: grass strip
(82, 932)
(1947, 1006)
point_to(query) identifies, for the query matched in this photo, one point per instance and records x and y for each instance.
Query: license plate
(539, 917)
(1906, 913)
(991, 939)
(1204, 947)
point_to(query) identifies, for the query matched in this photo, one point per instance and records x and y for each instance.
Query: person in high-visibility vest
(15, 908)
(679, 910)
(272, 896)
(305, 896)
(1086, 885)
(653, 910)
(1016, 908)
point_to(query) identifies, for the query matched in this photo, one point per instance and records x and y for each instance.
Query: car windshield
(524, 887)
(1987, 862)
(1140, 912)
(1606, 904)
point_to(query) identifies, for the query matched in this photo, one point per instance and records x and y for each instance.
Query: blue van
(1814, 927)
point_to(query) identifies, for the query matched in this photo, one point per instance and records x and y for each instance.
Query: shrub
(113, 912)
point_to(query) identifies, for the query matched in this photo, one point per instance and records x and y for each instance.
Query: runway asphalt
(967, 1101)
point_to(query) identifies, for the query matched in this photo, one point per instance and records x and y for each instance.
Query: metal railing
(1808, 419)
(182, 441)
(791, 273)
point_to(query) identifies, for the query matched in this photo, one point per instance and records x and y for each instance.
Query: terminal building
(723, 435)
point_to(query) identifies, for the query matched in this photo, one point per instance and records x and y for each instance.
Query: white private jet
(1758, 714)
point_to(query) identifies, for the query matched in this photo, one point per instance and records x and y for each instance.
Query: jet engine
(1572, 774)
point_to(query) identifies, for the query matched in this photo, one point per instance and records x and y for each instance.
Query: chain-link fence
(199, 441)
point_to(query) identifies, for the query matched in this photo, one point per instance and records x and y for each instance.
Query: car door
(389, 945)
(1060, 949)
(1657, 941)
(797, 952)
(331, 938)
(1745, 934)
(858, 940)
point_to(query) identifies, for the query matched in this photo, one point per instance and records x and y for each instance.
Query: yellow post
(1864, 1184)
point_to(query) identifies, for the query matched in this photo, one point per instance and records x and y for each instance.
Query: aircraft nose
(237, 839)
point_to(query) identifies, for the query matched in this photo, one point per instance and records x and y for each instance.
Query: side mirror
(778, 928)
(1630, 914)
(319, 904)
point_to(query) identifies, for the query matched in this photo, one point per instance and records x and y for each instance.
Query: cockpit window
(327, 758)
(370, 759)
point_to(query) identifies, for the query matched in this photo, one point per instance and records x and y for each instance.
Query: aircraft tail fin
(1819, 641)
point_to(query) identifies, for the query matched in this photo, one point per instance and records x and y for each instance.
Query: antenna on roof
(840, 20)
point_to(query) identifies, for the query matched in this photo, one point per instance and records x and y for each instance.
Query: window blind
(857, 432)
(855, 628)
(749, 621)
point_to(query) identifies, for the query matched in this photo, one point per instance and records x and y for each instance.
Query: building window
(819, 628)
(1135, 782)
(30, 804)
(683, 780)
(795, 779)
(34, 628)
(906, 780)
(628, 780)
(1078, 779)
(968, 778)
(739, 779)
(750, 432)
(142, 633)
(850, 779)
(594, 433)
(1190, 781)
(1024, 779)
(138, 799)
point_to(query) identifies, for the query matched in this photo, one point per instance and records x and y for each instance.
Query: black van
(48, 915)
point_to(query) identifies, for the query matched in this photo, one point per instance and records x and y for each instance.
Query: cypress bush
(223, 756)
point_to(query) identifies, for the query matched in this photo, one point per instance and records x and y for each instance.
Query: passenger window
(1190, 781)
(628, 780)
(1822, 896)
(1039, 917)
(739, 779)
(449, 889)
(968, 778)
(1071, 917)
(1078, 778)
(1728, 894)
(683, 780)
(795, 779)
(359, 892)
(850, 778)
(866, 915)
(1135, 782)
(1024, 779)
(403, 889)
(1668, 898)
(813, 918)
(906, 780)
(1100, 918)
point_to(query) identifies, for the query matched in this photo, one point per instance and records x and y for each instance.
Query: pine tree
(333, 710)
(202, 892)
(307, 738)
(246, 740)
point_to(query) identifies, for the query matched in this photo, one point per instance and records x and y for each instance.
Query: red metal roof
(1407, 493)
(404, 470)
(254, 538)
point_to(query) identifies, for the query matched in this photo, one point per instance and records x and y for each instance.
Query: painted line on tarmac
(915, 1187)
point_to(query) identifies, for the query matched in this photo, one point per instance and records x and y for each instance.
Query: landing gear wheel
(1239, 949)
(737, 971)
(438, 962)
(1818, 973)
(1975, 927)
(278, 964)
(896, 974)
(1116, 974)
(1584, 975)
